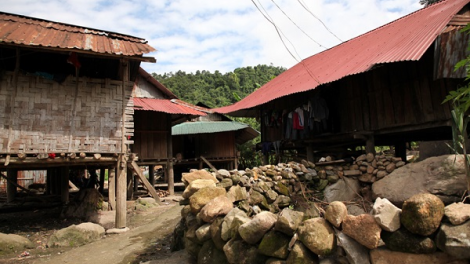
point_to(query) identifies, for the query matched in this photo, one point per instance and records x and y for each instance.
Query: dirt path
(148, 241)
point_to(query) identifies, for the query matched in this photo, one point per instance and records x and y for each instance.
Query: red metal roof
(21, 30)
(173, 106)
(405, 39)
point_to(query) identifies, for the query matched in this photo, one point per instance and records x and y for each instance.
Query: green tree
(428, 2)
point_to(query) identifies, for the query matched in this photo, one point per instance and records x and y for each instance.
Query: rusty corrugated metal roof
(405, 39)
(28, 31)
(173, 106)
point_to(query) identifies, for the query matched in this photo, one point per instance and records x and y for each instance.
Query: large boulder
(237, 193)
(218, 206)
(422, 213)
(443, 176)
(457, 213)
(254, 230)
(386, 214)
(335, 213)
(386, 256)
(13, 243)
(200, 198)
(404, 241)
(454, 240)
(196, 185)
(227, 224)
(216, 233)
(345, 189)
(203, 233)
(355, 252)
(318, 236)
(363, 229)
(196, 175)
(240, 252)
(300, 254)
(76, 235)
(274, 244)
(288, 221)
(209, 254)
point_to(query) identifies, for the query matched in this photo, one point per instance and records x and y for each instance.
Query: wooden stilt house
(157, 109)
(385, 87)
(65, 103)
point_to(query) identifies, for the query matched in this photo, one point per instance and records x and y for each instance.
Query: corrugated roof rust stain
(29, 31)
(405, 39)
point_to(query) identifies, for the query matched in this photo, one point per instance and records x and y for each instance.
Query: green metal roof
(205, 127)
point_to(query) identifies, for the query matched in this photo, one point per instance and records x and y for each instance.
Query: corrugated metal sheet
(21, 30)
(202, 127)
(207, 127)
(173, 106)
(405, 39)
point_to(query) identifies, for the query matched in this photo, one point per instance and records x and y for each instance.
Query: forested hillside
(217, 89)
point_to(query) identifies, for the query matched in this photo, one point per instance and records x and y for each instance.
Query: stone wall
(306, 213)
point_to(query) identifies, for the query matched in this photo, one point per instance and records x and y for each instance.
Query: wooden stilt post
(121, 192)
(130, 184)
(48, 181)
(12, 175)
(171, 173)
(370, 144)
(102, 176)
(151, 175)
(400, 150)
(310, 153)
(136, 185)
(112, 188)
(64, 184)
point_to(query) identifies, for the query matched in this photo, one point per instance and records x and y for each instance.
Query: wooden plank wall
(394, 95)
(36, 115)
(150, 136)
(216, 145)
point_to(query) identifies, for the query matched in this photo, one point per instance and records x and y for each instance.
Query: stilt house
(65, 102)
(385, 87)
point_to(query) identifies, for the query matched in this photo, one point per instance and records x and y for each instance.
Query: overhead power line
(308, 10)
(297, 25)
(279, 33)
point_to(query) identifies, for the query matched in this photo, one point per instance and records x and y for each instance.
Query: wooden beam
(217, 174)
(144, 181)
(64, 180)
(121, 192)
(11, 184)
(102, 176)
(14, 183)
(112, 188)
(151, 174)
(171, 172)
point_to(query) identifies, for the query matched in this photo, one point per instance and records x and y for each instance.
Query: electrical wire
(297, 25)
(308, 10)
(266, 16)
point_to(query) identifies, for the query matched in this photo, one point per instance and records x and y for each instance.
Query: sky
(223, 35)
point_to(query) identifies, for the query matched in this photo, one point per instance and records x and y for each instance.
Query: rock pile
(262, 215)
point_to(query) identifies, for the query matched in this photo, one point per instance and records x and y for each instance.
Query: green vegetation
(217, 89)
(460, 100)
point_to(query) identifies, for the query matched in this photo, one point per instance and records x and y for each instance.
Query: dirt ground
(147, 241)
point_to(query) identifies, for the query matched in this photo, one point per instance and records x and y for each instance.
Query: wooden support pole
(217, 174)
(130, 184)
(121, 192)
(112, 188)
(151, 175)
(370, 144)
(135, 184)
(64, 180)
(144, 181)
(310, 153)
(400, 150)
(102, 176)
(11, 184)
(171, 173)
(48, 181)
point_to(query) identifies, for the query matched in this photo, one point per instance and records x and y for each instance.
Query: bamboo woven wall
(37, 115)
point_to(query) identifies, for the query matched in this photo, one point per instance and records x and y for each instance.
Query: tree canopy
(217, 89)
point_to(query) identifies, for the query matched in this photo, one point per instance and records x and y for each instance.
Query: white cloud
(221, 35)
